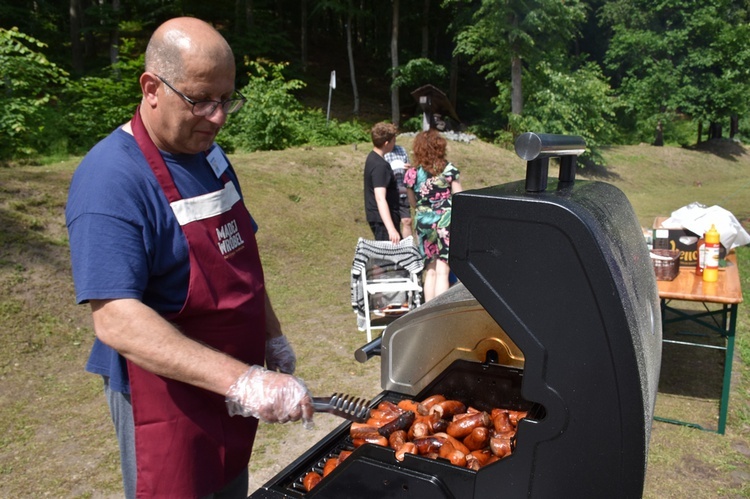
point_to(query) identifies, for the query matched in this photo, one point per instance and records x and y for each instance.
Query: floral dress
(433, 210)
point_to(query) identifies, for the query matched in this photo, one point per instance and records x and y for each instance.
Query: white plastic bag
(696, 218)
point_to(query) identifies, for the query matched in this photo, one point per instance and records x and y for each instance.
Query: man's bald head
(183, 37)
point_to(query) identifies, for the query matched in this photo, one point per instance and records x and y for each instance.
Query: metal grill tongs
(345, 406)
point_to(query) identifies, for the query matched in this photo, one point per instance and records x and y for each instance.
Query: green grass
(56, 437)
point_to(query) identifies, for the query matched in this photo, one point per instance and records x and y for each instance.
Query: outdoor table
(726, 293)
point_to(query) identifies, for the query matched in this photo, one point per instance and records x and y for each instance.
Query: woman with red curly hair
(430, 188)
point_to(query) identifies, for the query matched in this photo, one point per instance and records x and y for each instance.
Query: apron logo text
(229, 237)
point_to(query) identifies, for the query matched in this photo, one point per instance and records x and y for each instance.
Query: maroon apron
(186, 443)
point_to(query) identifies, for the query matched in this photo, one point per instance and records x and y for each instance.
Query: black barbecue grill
(557, 314)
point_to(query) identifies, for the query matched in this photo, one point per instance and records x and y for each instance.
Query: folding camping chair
(385, 282)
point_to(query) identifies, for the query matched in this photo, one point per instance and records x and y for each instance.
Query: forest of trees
(612, 71)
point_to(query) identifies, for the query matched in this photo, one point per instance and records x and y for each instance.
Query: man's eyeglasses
(208, 107)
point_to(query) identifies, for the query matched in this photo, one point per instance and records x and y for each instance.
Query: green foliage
(672, 63)
(28, 96)
(270, 118)
(571, 103)
(677, 58)
(537, 33)
(273, 118)
(419, 72)
(531, 29)
(96, 105)
(413, 124)
(315, 131)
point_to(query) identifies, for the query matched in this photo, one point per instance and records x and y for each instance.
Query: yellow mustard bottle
(711, 269)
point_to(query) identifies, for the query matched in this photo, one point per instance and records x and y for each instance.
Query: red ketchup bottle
(700, 255)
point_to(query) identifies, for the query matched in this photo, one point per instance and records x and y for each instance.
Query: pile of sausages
(436, 428)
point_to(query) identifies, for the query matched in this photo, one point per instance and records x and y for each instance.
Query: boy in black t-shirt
(380, 186)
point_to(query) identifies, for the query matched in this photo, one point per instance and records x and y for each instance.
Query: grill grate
(475, 384)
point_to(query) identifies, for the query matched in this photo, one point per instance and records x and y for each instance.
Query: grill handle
(538, 148)
(367, 351)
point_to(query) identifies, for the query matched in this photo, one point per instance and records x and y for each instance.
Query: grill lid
(567, 275)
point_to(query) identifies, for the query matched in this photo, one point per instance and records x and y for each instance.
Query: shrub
(273, 118)
(96, 105)
(419, 72)
(578, 103)
(270, 118)
(29, 84)
(317, 132)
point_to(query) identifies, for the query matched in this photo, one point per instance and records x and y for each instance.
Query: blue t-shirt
(125, 241)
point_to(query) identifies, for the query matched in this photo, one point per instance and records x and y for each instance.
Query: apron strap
(156, 160)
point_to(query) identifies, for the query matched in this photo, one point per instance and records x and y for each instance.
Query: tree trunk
(516, 72)
(734, 126)
(114, 39)
(700, 132)
(659, 139)
(249, 15)
(395, 107)
(453, 89)
(76, 45)
(516, 90)
(303, 33)
(280, 12)
(90, 48)
(238, 28)
(425, 28)
(714, 130)
(350, 53)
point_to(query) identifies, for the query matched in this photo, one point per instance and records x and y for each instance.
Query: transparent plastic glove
(270, 396)
(280, 355)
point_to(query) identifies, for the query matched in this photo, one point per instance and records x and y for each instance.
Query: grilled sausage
(397, 439)
(479, 438)
(423, 426)
(408, 405)
(515, 416)
(407, 448)
(460, 428)
(445, 449)
(440, 428)
(447, 408)
(500, 421)
(384, 413)
(482, 456)
(402, 422)
(330, 465)
(357, 430)
(457, 444)
(425, 406)
(311, 480)
(373, 438)
(457, 458)
(420, 429)
(500, 444)
(388, 406)
(472, 462)
(425, 445)
(440, 425)
(449, 452)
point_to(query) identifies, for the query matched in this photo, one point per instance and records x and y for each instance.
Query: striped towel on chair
(389, 257)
